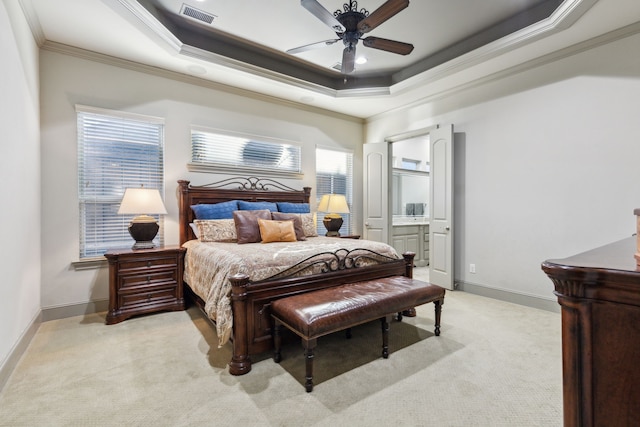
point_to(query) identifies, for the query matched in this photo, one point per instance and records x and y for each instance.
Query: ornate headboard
(250, 189)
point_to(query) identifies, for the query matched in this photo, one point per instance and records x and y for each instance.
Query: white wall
(68, 80)
(548, 164)
(20, 176)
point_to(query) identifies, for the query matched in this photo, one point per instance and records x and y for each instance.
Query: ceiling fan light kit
(350, 24)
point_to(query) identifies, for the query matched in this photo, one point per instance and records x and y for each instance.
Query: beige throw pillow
(276, 231)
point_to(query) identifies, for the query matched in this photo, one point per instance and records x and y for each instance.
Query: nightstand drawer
(148, 278)
(137, 264)
(155, 295)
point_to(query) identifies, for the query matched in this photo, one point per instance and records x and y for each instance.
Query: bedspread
(208, 266)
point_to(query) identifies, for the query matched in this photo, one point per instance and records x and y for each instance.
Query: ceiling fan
(350, 24)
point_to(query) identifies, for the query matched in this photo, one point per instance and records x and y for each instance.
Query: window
(115, 151)
(334, 175)
(213, 150)
(410, 164)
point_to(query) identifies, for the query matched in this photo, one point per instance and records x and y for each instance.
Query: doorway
(409, 227)
(378, 200)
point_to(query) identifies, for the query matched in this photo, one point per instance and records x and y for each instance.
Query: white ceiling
(452, 46)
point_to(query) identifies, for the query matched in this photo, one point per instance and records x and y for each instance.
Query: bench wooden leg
(277, 340)
(411, 312)
(438, 309)
(385, 336)
(309, 345)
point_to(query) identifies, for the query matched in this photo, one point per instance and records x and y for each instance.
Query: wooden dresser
(599, 292)
(144, 281)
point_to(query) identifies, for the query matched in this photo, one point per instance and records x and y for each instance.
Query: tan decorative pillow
(216, 230)
(247, 225)
(309, 224)
(297, 222)
(276, 231)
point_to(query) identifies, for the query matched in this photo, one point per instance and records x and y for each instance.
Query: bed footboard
(252, 324)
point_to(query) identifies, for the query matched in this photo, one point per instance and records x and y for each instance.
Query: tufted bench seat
(314, 314)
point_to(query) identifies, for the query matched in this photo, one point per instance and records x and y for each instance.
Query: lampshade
(142, 202)
(334, 204)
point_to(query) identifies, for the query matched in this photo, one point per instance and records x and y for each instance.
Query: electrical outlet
(472, 268)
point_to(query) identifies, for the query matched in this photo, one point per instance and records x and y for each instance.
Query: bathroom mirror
(410, 193)
(410, 178)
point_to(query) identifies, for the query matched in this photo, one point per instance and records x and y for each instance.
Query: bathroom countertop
(409, 220)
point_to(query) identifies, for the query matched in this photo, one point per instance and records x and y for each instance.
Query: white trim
(526, 299)
(72, 310)
(119, 113)
(15, 354)
(88, 55)
(411, 134)
(333, 148)
(610, 37)
(564, 16)
(226, 169)
(89, 263)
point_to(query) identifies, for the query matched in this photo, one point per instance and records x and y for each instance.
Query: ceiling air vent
(196, 14)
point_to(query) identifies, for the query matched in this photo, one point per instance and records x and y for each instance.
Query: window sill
(89, 263)
(199, 167)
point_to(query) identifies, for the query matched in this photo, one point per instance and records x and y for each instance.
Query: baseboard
(550, 304)
(44, 315)
(18, 350)
(64, 311)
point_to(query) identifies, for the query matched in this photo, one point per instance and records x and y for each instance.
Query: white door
(441, 207)
(376, 191)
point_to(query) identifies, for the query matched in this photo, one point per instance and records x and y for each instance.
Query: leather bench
(314, 314)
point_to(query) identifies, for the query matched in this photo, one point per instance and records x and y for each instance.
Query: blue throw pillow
(222, 210)
(288, 207)
(256, 206)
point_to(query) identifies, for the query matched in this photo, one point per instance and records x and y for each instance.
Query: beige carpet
(495, 364)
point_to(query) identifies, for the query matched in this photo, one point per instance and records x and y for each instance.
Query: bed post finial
(183, 221)
(408, 262)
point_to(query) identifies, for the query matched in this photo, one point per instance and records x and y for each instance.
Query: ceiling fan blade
(323, 14)
(381, 14)
(389, 45)
(348, 59)
(312, 46)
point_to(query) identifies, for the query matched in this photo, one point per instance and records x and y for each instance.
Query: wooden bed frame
(252, 323)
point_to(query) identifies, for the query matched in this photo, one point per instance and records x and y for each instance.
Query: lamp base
(143, 245)
(143, 233)
(332, 224)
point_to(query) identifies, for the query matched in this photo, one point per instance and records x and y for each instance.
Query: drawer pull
(148, 263)
(148, 278)
(148, 297)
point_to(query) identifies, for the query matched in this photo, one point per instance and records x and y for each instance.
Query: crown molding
(562, 17)
(601, 40)
(32, 20)
(189, 79)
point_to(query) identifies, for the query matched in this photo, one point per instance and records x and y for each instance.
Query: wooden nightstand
(144, 281)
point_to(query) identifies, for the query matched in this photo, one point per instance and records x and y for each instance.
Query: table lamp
(334, 204)
(142, 202)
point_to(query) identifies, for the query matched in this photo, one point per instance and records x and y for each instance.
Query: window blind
(115, 151)
(208, 148)
(334, 175)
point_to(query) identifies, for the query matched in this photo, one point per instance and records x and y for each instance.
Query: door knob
(447, 228)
